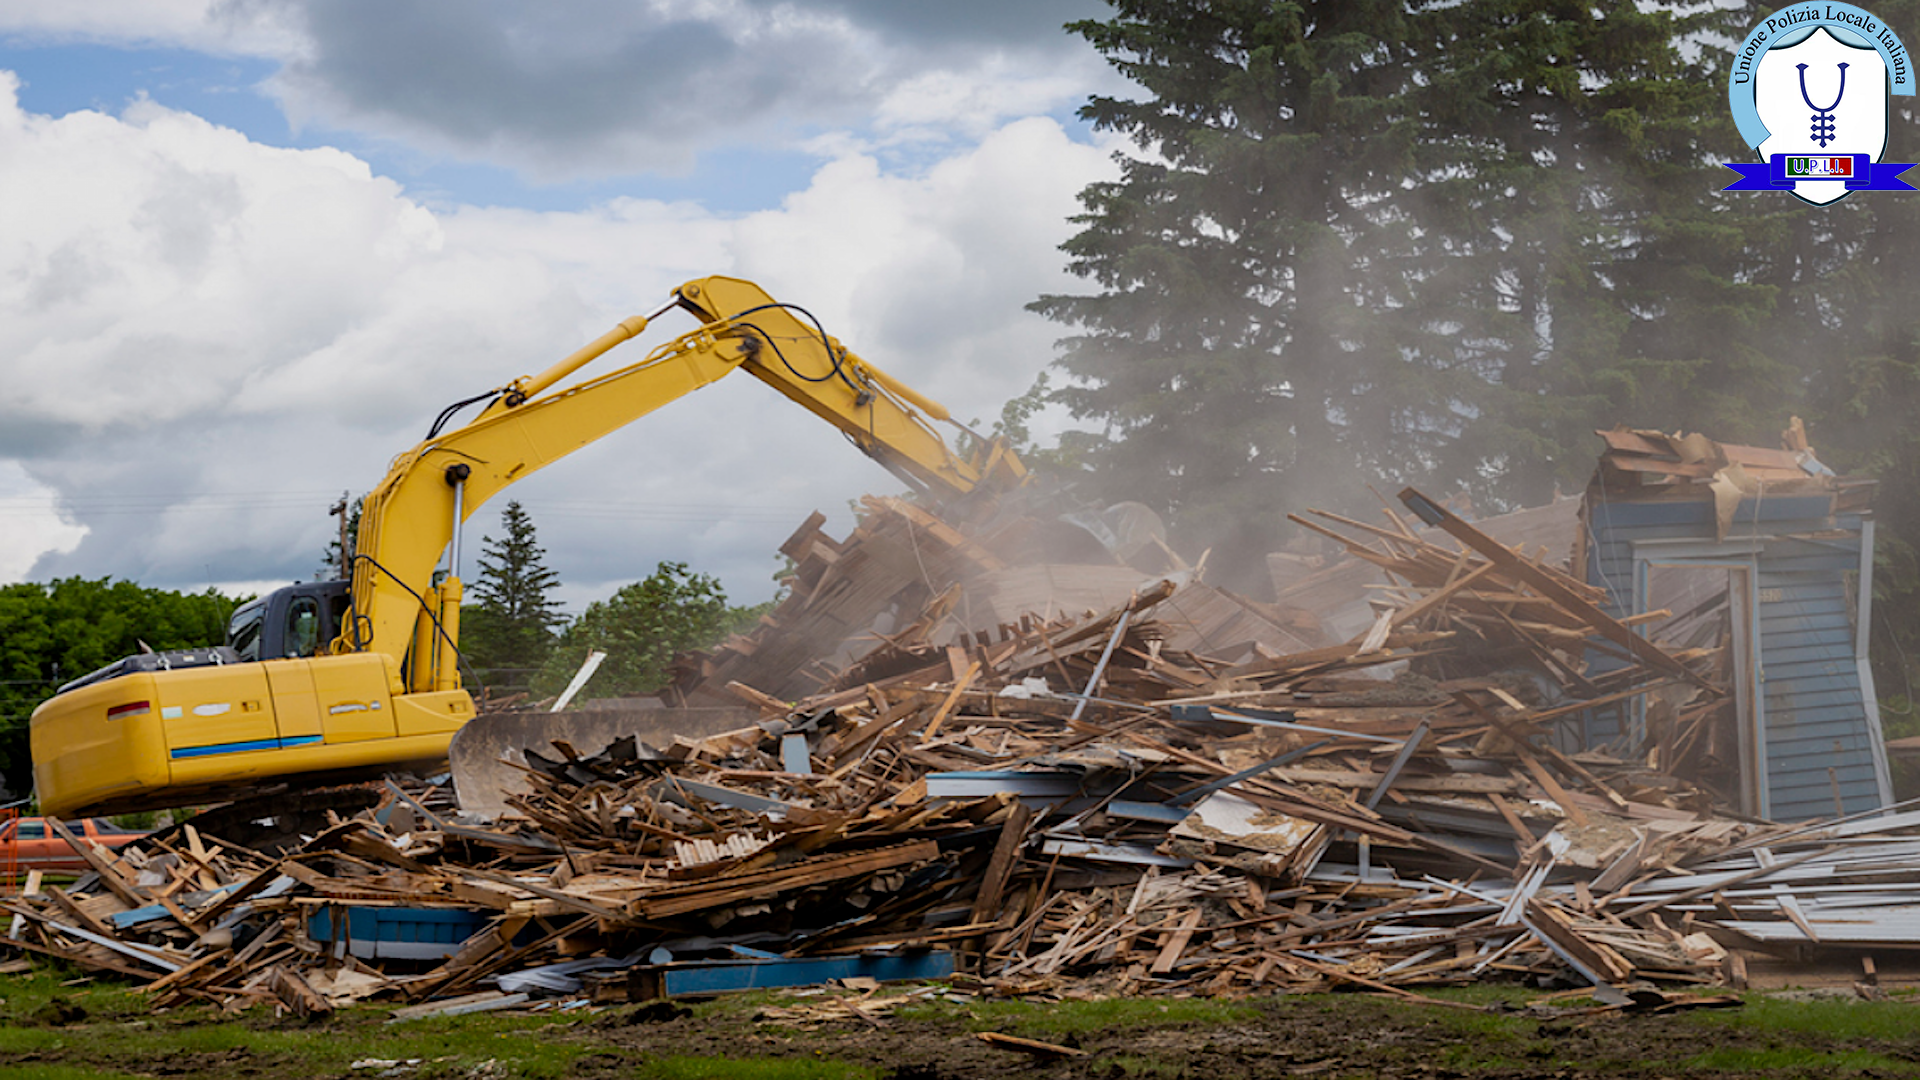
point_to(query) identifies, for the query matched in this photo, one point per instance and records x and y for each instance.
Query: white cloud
(118, 19)
(976, 99)
(928, 276)
(33, 524)
(600, 88)
(208, 339)
(227, 26)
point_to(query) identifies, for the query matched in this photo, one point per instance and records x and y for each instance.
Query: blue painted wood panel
(1815, 726)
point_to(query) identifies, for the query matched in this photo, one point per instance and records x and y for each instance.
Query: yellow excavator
(335, 682)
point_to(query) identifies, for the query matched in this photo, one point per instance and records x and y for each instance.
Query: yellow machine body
(200, 734)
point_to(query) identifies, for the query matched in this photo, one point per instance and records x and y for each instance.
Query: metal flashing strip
(1266, 718)
(120, 947)
(668, 787)
(1894, 928)
(1287, 758)
(247, 746)
(973, 785)
(1135, 854)
(1139, 811)
(1603, 992)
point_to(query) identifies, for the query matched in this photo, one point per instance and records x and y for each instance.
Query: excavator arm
(414, 514)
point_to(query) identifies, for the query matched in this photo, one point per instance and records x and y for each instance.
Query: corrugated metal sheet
(1819, 735)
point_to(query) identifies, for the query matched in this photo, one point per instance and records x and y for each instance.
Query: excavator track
(275, 823)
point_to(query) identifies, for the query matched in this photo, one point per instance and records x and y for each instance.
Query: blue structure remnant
(733, 976)
(1767, 556)
(404, 933)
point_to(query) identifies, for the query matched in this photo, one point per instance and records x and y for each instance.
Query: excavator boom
(412, 517)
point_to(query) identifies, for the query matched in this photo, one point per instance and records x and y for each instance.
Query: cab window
(337, 606)
(243, 633)
(303, 626)
(31, 830)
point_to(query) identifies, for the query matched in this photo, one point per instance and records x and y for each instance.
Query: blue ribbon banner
(1782, 171)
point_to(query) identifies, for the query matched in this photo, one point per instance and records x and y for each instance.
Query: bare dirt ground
(1324, 1035)
(1822, 1032)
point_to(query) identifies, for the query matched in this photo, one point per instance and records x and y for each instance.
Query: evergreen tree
(1444, 241)
(1404, 242)
(1603, 274)
(512, 619)
(1263, 336)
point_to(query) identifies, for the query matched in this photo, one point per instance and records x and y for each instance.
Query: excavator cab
(289, 623)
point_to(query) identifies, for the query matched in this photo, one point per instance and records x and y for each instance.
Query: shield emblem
(1820, 96)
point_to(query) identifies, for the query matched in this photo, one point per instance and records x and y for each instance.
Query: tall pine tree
(1402, 242)
(1265, 335)
(1603, 271)
(511, 623)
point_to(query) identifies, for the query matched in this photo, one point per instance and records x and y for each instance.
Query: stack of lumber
(1111, 803)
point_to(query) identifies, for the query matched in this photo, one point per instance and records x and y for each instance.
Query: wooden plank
(1520, 831)
(79, 914)
(147, 956)
(502, 959)
(1602, 960)
(850, 750)
(905, 939)
(1438, 597)
(297, 994)
(1552, 787)
(766, 703)
(191, 970)
(31, 888)
(84, 959)
(1006, 852)
(1553, 585)
(953, 698)
(1034, 1047)
(1176, 943)
(759, 885)
(1727, 883)
(109, 874)
(1407, 750)
(564, 899)
(1333, 971)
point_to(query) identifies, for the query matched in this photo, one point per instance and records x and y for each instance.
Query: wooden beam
(1177, 943)
(953, 698)
(109, 874)
(1551, 585)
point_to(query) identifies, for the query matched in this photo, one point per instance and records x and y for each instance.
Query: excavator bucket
(489, 753)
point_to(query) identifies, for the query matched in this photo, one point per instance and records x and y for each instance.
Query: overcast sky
(249, 249)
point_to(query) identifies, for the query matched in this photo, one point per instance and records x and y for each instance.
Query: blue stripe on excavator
(242, 747)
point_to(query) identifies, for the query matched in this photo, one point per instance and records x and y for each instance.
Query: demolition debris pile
(1185, 792)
